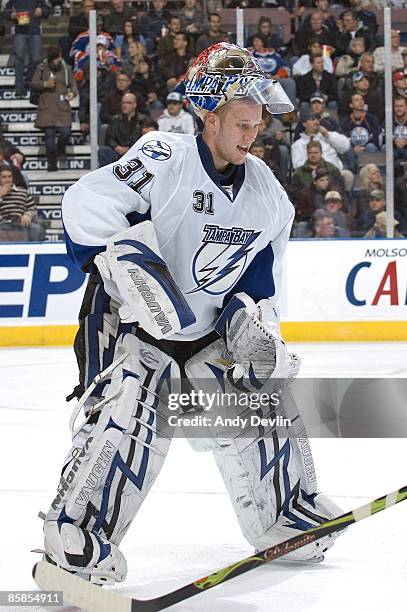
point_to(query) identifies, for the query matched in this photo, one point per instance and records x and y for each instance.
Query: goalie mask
(224, 72)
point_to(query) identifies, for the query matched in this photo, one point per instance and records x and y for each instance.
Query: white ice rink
(187, 528)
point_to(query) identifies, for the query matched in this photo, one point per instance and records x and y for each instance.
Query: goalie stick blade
(95, 599)
(79, 592)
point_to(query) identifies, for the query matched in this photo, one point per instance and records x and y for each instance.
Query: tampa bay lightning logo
(157, 149)
(221, 259)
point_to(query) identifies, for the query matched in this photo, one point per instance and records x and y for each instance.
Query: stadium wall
(338, 290)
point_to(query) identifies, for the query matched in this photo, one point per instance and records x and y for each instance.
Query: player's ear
(211, 122)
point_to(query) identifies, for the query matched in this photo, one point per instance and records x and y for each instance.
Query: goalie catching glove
(252, 335)
(135, 275)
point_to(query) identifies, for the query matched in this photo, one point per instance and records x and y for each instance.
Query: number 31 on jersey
(203, 202)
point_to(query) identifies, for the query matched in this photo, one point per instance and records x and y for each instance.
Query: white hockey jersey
(215, 240)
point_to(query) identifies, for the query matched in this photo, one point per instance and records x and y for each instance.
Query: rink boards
(339, 290)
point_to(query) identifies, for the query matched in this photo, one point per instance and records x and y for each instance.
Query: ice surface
(187, 528)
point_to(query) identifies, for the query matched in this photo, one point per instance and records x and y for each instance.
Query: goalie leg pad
(270, 477)
(272, 496)
(272, 484)
(107, 478)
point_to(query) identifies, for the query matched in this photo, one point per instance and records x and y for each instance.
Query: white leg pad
(111, 472)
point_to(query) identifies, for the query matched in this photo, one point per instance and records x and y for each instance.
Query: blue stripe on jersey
(258, 280)
(82, 255)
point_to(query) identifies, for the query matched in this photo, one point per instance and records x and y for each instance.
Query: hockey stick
(95, 599)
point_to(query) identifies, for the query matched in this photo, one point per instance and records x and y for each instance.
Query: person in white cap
(333, 203)
(174, 118)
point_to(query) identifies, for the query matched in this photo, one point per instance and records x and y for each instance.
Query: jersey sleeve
(107, 201)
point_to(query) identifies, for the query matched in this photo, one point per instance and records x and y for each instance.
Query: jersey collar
(234, 175)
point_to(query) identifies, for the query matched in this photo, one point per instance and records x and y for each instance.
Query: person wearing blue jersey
(184, 238)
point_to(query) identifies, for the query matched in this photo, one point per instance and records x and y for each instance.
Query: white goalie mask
(224, 72)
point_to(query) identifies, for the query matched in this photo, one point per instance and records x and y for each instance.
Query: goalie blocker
(135, 274)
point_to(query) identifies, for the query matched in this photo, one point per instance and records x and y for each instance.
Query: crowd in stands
(328, 153)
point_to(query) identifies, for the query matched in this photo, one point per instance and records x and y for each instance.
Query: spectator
(351, 61)
(367, 67)
(155, 24)
(176, 62)
(111, 103)
(17, 210)
(324, 226)
(370, 180)
(13, 158)
(174, 118)
(271, 127)
(303, 176)
(317, 80)
(367, 18)
(323, 8)
(270, 155)
(80, 53)
(213, 35)
(122, 132)
(376, 202)
(327, 116)
(303, 64)
(135, 53)
(109, 60)
(322, 184)
(374, 100)
(107, 65)
(265, 29)
(351, 28)
(400, 128)
(26, 16)
(333, 204)
(192, 18)
(400, 84)
(318, 32)
(114, 20)
(148, 84)
(379, 228)
(130, 34)
(165, 45)
(318, 107)
(332, 144)
(361, 126)
(269, 60)
(149, 125)
(78, 23)
(308, 197)
(396, 54)
(54, 79)
(367, 222)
